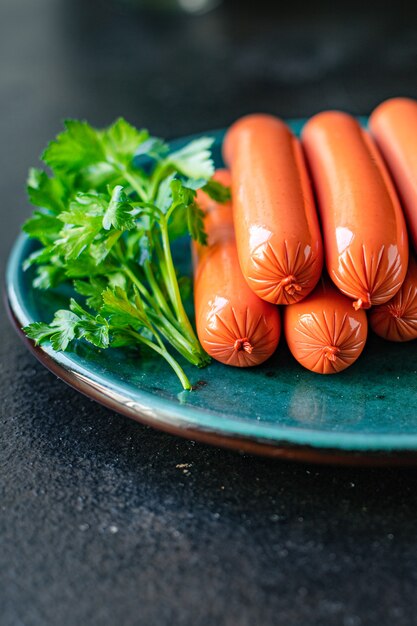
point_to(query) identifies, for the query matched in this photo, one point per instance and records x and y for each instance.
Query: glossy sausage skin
(394, 127)
(234, 325)
(365, 237)
(324, 332)
(396, 320)
(277, 230)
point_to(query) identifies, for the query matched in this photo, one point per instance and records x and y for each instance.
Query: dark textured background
(97, 525)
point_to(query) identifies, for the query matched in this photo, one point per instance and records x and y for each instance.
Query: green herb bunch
(107, 214)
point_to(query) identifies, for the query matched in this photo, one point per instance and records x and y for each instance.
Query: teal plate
(366, 415)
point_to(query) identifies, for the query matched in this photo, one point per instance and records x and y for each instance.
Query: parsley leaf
(80, 229)
(92, 289)
(86, 266)
(186, 214)
(45, 192)
(48, 276)
(42, 226)
(194, 159)
(39, 332)
(88, 214)
(164, 196)
(60, 332)
(123, 310)
(68, 325)
(153, 147)
(217, 191)
(195, 221)
(42, 255)
(77, 147)
(94, 329)
(122, 140)
(119, 211)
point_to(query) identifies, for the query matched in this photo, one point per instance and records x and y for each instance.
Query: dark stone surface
(98, 525)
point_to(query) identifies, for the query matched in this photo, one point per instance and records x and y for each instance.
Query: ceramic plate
(367, 414)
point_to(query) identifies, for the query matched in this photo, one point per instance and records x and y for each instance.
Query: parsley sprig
(106, 216)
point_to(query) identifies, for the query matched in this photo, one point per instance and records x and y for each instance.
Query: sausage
(234, 325)
(396, 320)
(394, 127)
(364, 231)
(324, 332)
(277, 231)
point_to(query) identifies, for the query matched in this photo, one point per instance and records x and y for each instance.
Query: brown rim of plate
(284, 451)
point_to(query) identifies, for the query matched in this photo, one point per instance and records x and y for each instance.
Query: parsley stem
(162, 351)
(172, 285)
(135, 280)
(157, 291)
(135, 184)
(182, 344)
(157, 337)
(164, 322)
(159, 173)
(163, 267)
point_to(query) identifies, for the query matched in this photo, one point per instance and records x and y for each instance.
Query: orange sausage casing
(324, 332)
(277, 230)
(234, 325)
(394, 126)
(364, 231)
(396, 320)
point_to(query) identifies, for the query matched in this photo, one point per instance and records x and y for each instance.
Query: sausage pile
(341, 196)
